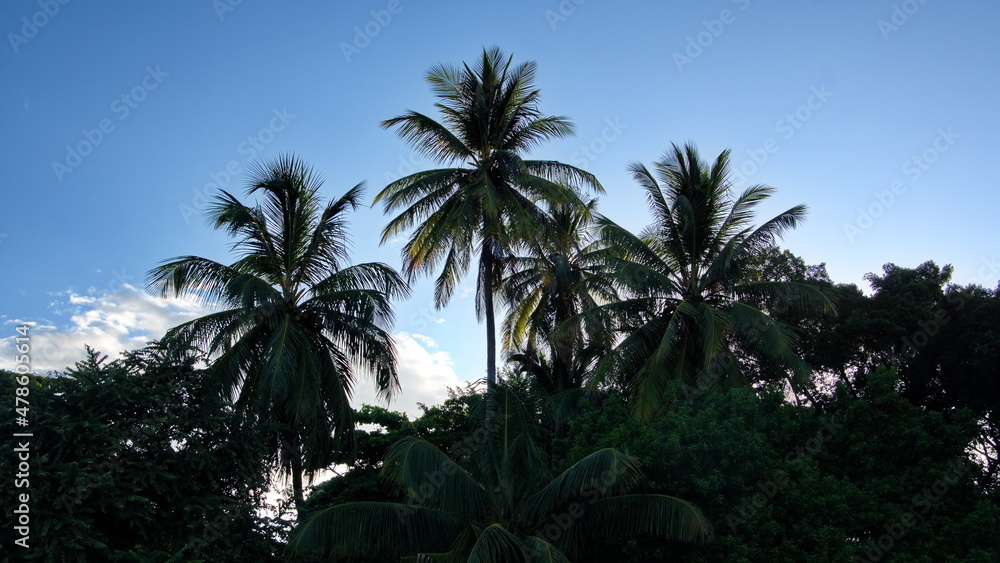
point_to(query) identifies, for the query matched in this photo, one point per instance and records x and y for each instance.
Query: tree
(490, 203)
(691, 308)
(867, 475)
(296, 319)
(941, 339)
(137, 460)
(562, 273)
(522, 515)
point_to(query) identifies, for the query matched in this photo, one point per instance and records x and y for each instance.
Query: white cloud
(112, 322)
(425, 339)
(127, 318)
(424, 376)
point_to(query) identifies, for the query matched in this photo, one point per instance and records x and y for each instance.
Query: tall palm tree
(522, 515)
(487, 202)
(295, 320)
(561, 273)
(692, 307)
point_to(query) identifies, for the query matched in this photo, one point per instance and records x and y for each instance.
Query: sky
(125, 118)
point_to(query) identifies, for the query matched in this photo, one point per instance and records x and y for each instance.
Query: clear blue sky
(830, 102)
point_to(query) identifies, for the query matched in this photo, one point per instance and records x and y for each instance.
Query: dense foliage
(869, 476)
(137, 460)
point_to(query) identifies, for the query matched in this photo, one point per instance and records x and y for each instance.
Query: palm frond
(496, 545)
(541, 551)
(429, 476)
(662, 516)
(428, 137)
(602, 474)
(370, 528)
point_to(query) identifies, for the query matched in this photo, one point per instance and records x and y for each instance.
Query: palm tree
(295, 320)
(692, 307)
(522, 515)
(487, 203)
(562, 273)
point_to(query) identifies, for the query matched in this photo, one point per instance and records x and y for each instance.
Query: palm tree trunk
(297, 485)
(290, 445)
(491, 341)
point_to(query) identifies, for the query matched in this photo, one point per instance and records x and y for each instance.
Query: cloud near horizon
(126, 318)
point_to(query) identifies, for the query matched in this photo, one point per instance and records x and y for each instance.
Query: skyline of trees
(695, 358)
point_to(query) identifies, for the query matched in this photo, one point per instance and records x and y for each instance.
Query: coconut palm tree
(295, 319)
(692, 307)
(486, 202)
(561, 273)
(523, 514)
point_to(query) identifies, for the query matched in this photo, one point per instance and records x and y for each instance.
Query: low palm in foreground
(524, 515)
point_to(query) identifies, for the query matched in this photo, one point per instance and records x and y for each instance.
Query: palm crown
(692, 305)
(489, 203)
(560, 274)
(295, 318)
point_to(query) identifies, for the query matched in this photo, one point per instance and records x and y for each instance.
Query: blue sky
(123, 118)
